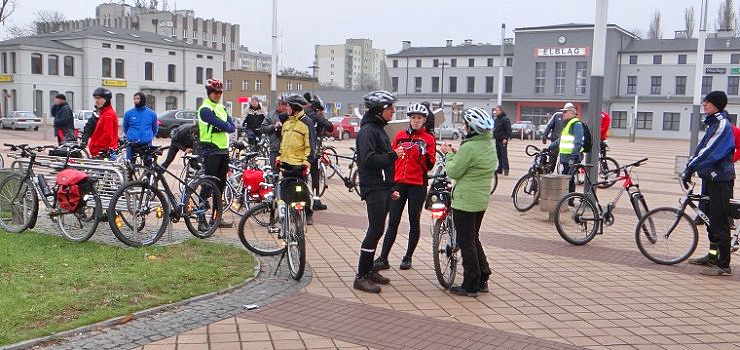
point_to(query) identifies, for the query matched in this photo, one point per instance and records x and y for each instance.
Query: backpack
(71, 186)
(587, 141)
(252, 178)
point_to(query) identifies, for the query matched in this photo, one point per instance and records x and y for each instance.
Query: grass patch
(48, 285)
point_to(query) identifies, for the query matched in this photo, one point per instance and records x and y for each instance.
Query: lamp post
(314, 67)
(442, 86)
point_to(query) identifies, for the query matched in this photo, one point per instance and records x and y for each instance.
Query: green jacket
(472, 168)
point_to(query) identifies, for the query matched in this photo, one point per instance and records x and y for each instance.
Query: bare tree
(655, 32)
(726, 16)
(369, 82)
(7, 7)
(688, 17)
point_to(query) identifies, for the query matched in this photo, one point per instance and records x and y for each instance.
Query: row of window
(452, 86)
(708, 59)
(37, 64)
(671, 120)
(656, 83)
(540, 68)
(453, 62)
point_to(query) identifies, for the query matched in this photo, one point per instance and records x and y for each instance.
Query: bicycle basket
(293, 190)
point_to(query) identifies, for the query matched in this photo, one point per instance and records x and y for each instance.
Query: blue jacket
(140, 125)
(713, 158)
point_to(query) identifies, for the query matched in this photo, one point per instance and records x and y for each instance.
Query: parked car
(541, 130)
(171, 119)
(523, 129)
(350, 126)
(20, 120)
(81, 118)
(445, 131)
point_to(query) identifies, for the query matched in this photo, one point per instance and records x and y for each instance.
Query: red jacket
(105, 135)
(411, 169)
(606, 122)
(736, 133)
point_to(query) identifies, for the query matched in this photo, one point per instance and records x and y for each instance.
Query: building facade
(76, 62)
(254, 61)
(353, 65)
(240, 85)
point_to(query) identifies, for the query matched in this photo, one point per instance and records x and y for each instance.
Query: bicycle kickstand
(282, 256)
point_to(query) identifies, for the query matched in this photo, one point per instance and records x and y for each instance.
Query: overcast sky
(387, 22)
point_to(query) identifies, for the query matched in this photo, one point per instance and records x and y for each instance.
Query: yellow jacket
(295, 145)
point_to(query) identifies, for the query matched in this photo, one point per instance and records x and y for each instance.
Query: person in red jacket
(105, 135)
(606, 123)
(410, 178)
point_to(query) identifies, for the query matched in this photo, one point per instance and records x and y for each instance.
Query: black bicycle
(329, 161)
(526, 191)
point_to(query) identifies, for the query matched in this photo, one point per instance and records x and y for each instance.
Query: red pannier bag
(70, 188)
(251, 179)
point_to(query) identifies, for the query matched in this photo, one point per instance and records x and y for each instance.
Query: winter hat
(717, 98)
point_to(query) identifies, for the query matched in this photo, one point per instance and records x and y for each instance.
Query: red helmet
(214, 85)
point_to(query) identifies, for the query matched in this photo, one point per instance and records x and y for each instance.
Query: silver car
(444, 131)
(20, 120)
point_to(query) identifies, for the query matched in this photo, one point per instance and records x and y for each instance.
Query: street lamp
(442, 85)
(314, 67)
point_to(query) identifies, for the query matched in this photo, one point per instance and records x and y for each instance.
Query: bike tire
(656, 248)
(2, 162)
(608, 172)
(296, 244)
(355, 183)
(10, 187)
(528, 184)
(142, 201)
(203, 198)
(331, 154)
(322, 185)
(445, 258)
(494, 182)
(81, 216)
(272, 245)
(576, 214)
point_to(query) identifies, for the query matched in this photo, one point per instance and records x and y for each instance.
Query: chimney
(725, 33)
(680, 34)
(405, 45)
(468, 42)
(449, 43)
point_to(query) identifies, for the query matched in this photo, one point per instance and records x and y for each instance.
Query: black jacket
(90, 126)
(184, 136)
(269, 129)
(375, 158)
(323, 126)
(308, 120)
(502, 127)
(63, 119)
(254, 118)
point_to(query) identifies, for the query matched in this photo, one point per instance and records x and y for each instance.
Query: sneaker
(705, 260)
(698, 221)
(317, 205)
(499, 171)
(377, 278)
(483, 288)
(366, 285)
(406, 263)
(203, 226)
(459, 290)
(716, 271)
(309, 220)
(381, 264)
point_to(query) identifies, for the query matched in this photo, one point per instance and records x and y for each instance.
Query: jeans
(718, 210)
(474, 261)
(503, 155)
(415, 195)
(377, 202)
(568, 161)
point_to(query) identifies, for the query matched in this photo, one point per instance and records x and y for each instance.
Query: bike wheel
(494, 182)
(258, 238)
(138, 214)
(355, 182)
(659, 243)
(331, 154)
(608, 171)
(19, 203)
(2, 162)
(526, 192)
(322, 179)
(444, 252)
(234, 194)
(577, 218)
(296, 243)
(79, 225)
(203, 207)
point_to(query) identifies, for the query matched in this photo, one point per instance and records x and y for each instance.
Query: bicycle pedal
(273, 230)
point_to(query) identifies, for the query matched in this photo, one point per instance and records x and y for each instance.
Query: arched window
(209, 73)
(170, 103)
(148, 71)
(53, 63)
(69, 66)
(120, 104)
(120, 69)
(199, 75)
(151, 102)
(37, 66)
(5, 62)
(106, 67)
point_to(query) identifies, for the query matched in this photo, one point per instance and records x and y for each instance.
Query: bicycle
(526, 192)
(587, 214)
(19, 200)
(608, 169)
(284, 206)
(351, 181)
(440, 163)
(445, 252)
(329, 156)
(131, 206)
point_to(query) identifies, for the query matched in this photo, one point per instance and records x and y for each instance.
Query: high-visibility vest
(567, 140)
(205, 130)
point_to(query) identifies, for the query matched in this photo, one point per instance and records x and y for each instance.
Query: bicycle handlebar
(537, 150)
(636, 164)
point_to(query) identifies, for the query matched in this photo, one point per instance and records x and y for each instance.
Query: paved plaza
(544, 292)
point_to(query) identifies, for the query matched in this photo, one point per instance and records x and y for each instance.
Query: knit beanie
(717, 98)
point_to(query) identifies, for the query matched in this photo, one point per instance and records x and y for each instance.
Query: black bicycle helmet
(379, 99)
(317, 102)
(104, 93)
(296, 100)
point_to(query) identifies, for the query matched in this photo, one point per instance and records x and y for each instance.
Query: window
(417, 84)
(148, 50)
(199, 75)
(395, 63)
(52, 95)
(732, 85)
(706, 85)
(657, 59)
(151, 102)
(633, 59)
(198, 102)
(453, 62)
(148, 71)
(435, 84)
(655, 83)
(418, 63)
(681, 59)
(671, 121)
(299, 86)
(229, 85)
(53, 64)
(581, 73)
(509, 61)
(170, 102)
(735, 58)
(209, 73)
(213, 37)
(290, 86)
(120, 104)
(394, 84)
(619, 119)
(539, 77)
(12, 64)
(39, 107)
(171, 73)
(489, 84)
(106, 67)
(5, 62)
(453, 84)
(258, 85)
(631, 85)
(471, 84)
(120, 47)
(245, 85)
(508, 84)
(681, 85)
(106, 45)
(559, 78)
(172, 53)
(471, 62)
(435, 63)
(36, 64)
(69, 66)
(70, 99)
(708, 58)
(120, 69)
(645, 120)
(489, 62)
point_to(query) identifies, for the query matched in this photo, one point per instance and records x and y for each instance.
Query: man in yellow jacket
(295, 146)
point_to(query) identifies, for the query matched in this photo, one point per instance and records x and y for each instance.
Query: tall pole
(633, 122)
(596, 96)
(273, 76)
(500, 101)
(694, 119)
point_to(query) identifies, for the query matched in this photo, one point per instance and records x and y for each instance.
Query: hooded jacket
(105, 135)
(375, 158)
(254, 118)
(64, 123)
(419, 156)
(295, 146)
(140, 125)
(472, 168)
(712, 160)
(503, 127)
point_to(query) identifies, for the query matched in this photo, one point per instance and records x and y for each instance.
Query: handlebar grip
(8, 145)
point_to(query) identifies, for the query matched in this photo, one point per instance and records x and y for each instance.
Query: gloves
(395, 195)
(686, 179)
(306, 170)
(277, 164)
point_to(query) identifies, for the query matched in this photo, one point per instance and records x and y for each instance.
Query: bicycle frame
(155, 175)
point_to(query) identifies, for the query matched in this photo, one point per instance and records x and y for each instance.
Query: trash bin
(552, 189)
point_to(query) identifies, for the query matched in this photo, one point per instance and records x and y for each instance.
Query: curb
(26, 344)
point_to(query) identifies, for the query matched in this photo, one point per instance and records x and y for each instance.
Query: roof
(38, 42)
(573, 26)
(681, 45)
(460, 50)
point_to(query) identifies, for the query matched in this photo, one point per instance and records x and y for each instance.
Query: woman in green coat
(472, 167)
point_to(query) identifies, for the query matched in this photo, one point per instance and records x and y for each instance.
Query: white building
(34, 69)
(352, 65)
(254, 61)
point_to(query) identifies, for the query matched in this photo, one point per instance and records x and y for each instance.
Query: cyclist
(472, 167)
(253, 120)
(712, 161)
(410, 178)
(295, 145)
(502, 134)
(375, 160)
(104, 135)
(323, 127)
(140, 126)
(272, 125)
(570, 142)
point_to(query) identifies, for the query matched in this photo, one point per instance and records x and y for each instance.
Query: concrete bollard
(552, 189)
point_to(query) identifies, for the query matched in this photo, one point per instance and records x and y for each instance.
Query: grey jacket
(554, 127)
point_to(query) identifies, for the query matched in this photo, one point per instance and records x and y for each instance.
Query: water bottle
(44, 186)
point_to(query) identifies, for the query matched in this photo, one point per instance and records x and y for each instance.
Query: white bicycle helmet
(478, 120)
(417, 109)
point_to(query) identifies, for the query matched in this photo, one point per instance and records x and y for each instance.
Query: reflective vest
(205, 131)
(567, 140)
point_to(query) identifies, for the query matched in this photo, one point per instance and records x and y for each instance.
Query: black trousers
(415, 195)
(171, 154)
(377, 202)
(718, 210)
(296, 171)
(217, 165)
(474, 261)
(503, 155)
(315, 178)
